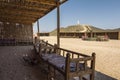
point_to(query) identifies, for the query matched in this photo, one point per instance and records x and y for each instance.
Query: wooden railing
(83, 64)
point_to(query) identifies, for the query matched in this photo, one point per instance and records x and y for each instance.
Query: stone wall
(22, 33)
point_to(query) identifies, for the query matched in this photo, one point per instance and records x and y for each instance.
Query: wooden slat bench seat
(59, 61)
(68, 63)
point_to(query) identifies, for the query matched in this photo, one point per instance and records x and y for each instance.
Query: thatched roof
(25, 11)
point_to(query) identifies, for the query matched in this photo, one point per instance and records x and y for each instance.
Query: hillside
(77, 28)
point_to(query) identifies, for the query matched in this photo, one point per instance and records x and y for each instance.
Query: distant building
(111, 35)
(77, 31)
(44, 34)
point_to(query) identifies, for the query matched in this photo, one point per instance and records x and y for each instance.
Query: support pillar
(58, 23)
(38, 33)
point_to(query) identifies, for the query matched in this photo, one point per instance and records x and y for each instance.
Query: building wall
(43, 34)
(19, 32)
(111, 35)
(119, 36)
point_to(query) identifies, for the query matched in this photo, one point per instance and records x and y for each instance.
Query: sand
(107, 54)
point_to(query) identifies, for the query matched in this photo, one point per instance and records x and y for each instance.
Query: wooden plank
(25, 5)
(74, 52)
(16, 11)
(45, 2)
(7, 15)
(93, 67)
(18, 18)
(67, 66)
(81, 59)
(72, 74)
(16, 21)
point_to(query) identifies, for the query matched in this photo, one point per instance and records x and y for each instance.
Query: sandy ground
(107, 55)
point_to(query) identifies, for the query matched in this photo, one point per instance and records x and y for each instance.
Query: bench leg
(91, 76)
(80, 77)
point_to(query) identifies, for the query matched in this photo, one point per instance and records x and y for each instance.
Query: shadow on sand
(102, 76)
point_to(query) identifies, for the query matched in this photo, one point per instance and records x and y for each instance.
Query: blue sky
(103, 14)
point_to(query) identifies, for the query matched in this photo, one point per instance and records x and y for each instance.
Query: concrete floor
(13, 67)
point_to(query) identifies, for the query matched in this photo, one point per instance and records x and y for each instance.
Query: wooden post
(67, 66)
(38, 25)
(38, 33)
(40, 49)
(93, 67)
(55, 48)
(58, 23)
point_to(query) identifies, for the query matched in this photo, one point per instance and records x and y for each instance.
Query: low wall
(111, 35)
(19, 32)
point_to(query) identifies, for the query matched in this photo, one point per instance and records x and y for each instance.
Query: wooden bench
(68, 63)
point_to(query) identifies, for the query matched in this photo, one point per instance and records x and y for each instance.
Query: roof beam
(13, 7)
(25, 5)
(16, 21)
(45, 2)
(18, 18)
(22, 12)
(10, 13)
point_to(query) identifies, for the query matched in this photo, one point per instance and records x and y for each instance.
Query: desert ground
(107, 54)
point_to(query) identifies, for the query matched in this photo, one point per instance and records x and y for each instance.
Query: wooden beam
(32, 17)
(25, 5)
(18, 15)
(38, 2)
(17, 19)
(45, 2)
(22, 12)
(38, 25)
(58, 23)
(14, 21)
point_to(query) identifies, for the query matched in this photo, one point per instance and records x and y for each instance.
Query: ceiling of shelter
(25, 11)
